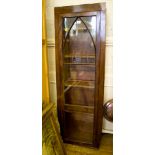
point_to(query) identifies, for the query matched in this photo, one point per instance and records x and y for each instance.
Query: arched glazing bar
(69, 31)
(89, 33)
(86, 28)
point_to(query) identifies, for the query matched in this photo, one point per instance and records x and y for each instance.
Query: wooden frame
(97, 9)
(47, 113)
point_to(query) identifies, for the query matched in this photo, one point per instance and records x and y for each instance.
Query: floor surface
(106, 147)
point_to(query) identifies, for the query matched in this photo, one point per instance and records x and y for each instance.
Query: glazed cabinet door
(79, 53)
(78, 45)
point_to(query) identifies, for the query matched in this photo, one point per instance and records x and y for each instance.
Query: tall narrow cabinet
(80, 58)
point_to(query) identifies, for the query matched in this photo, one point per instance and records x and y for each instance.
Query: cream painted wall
(108, 86)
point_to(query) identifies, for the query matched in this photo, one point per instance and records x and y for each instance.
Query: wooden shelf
(81, 56)
(79, 84)
(79, 63)
(79, 93)
(82, 84)
(78, 108)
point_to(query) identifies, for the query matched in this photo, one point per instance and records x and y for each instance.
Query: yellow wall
(108, 86)
(45, 81)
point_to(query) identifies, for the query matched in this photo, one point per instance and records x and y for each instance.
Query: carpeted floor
(106, 147)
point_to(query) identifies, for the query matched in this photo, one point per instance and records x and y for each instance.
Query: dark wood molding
(80, 8)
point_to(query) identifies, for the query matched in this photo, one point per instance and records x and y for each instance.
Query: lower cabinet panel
(80, 96)
(79, 127)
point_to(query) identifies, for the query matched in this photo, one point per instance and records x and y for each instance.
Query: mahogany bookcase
(80, 61)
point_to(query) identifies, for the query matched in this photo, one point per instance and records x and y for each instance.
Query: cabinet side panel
(102, 72)
(100, 67)
(59, 66)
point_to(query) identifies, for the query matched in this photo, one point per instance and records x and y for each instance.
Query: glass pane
(79, 127)
(79, 72)
(79, 60)
(91, 24)
(68, 22)
(80, 41)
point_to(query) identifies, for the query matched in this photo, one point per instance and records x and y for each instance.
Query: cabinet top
(80, 8)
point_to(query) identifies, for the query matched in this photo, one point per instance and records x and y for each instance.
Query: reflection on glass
(67, 24)
(91, 24)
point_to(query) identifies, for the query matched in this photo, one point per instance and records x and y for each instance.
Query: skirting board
(107, 131)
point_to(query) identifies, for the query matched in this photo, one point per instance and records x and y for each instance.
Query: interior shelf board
(79, 108)
(79, 63)
(82, 56)
(83, 84)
